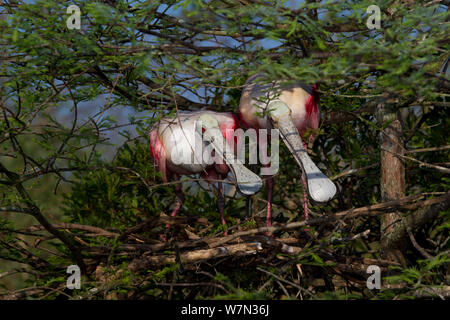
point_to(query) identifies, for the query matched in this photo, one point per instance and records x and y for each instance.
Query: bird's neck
(229, 127)
(313, 102)
(239, 118)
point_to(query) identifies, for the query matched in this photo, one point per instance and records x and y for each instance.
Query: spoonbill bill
(293, 109)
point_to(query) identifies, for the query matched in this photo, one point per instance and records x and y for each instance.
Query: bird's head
(207, 121)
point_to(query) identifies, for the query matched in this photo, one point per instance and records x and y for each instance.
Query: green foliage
(419, 279)
(114, 195)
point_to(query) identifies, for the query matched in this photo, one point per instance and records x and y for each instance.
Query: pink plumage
(173, 144)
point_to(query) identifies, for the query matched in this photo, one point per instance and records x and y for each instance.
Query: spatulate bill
(247, 182)
(320, 187)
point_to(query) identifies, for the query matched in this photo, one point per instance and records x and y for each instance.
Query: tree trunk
(392, 180)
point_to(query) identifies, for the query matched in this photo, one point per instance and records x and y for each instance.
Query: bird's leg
(269, 182)
(248, 207)
(305, 193)
(179, 203)
(180, 199)
(305, 197)
(221, 205)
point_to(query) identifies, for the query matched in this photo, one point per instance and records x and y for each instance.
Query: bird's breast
(186, 153)
(304, 109)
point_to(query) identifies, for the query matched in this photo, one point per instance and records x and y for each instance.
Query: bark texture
(392, 182)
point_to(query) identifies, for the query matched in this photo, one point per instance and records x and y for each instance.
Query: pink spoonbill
(293, 109)
(200, 143)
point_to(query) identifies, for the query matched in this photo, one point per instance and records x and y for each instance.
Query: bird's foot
(166, 235)
(163, 238)
(268, 225)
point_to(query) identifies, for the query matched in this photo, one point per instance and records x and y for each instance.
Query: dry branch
(422, 164)
(197, 255)
(441, 292)
(76, 226)
(295, 285)
(418, 218)
(428, 149)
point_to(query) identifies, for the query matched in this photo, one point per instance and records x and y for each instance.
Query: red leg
(305, 192)
(180, 199)
(221, 205)
(269, 182)
(305, 198)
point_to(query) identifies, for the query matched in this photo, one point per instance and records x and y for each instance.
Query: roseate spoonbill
(174, 146)
(293, 109)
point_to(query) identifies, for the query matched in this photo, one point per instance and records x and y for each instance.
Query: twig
(356, 236)
(427, 149)
(443, 293)
(208, 284)
(352, 171)
(285, 281)
(421, 163)
(283, 288)
(417, 246)
(92, 229)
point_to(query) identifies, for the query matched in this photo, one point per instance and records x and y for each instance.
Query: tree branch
(196, 256)
(416, 220)
(33, 210)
